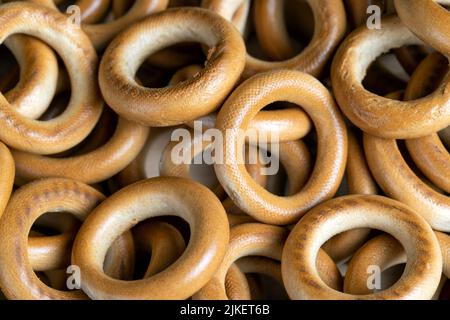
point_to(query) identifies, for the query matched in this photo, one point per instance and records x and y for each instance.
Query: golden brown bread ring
(242, 105)
(7, 172)
(163, 106)
(38, 74)
(120, 258)
(329, 16)
(360, 181)
(52, 252)
(435, 21)
(296, 160)
(429, 153)
(154, 197)
(101, 34)
(250, 239)
(288, 124)
(80, 58)
(185, 73)
(378, 115)
(261, 265)
(409, 57)
(91, 167)
(257, 239)
(384, 251)
(163, 240)
(236, 284)
(17, 279)
(359, 177)
(298, 164)
(424, 266)
(271, 30)
(398, 181)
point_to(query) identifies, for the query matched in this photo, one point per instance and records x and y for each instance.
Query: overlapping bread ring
(271, 30)
(256, 239)
(288, 124)
(296, 160)
(91, 167)
(185, 101)
(329, 16)
(409, 57)
(101, 34)
(245, 240)
(85, 107)
(378, 115)
(436, 17)
(38, 73)
(235, 115)
(236, 284)
(154, 197)
(429, 153)
(7, 172)
(272, 268)
(359, 181)
(17, 279)
(163, 240)
(384, 251)
(51, 253)
(424, 266)
(398, 181)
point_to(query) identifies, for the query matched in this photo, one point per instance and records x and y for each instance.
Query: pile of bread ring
(92, 206)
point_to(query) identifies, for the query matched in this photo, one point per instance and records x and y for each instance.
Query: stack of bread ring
(93, 205)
